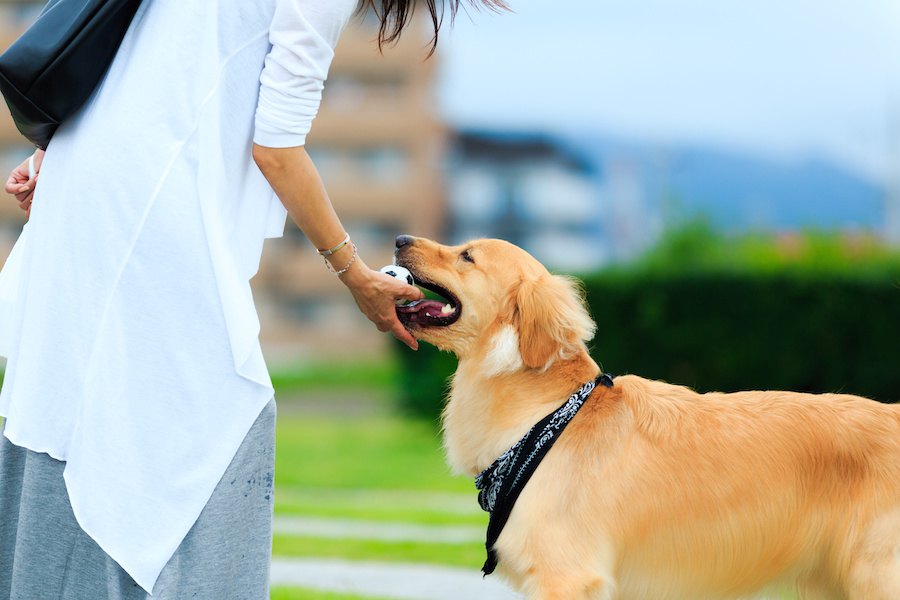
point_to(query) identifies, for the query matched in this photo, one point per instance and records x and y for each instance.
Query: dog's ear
(551, 319)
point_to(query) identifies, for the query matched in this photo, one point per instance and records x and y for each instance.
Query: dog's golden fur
(655, 492)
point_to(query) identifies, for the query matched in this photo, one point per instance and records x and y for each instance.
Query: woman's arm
(295, 179)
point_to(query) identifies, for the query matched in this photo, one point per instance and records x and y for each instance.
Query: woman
(137, 454)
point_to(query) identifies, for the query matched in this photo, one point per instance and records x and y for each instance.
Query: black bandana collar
(500, 484)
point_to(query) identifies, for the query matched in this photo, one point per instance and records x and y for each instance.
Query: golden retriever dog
(653, 492)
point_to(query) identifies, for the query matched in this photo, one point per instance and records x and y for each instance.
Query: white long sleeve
(303, 35)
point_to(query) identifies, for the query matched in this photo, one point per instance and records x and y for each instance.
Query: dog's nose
(403, 241)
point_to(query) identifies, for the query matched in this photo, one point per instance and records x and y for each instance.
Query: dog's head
(498, 302)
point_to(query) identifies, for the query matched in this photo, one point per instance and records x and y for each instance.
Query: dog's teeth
(446, 309)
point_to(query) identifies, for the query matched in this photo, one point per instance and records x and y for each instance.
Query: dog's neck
(486, 414)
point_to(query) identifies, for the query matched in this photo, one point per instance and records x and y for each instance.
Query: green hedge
(424, 380)
(810, 330)
(728, 332)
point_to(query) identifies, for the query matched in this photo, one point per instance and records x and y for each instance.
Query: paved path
(388, 580)
(381, 579)
(397, 581)
(352, 529)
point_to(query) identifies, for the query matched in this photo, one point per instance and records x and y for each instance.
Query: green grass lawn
(282, 593)
(376, 468)
(379, 453)
(466, 555)
(400, 506)
(373, 466)
(380, 374)
(385, 468)
(341, 453)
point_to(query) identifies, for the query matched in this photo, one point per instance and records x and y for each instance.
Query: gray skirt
(44, 554)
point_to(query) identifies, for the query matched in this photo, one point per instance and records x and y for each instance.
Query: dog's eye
(467, 257)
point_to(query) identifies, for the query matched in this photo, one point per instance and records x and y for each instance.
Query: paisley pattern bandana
(500, 484)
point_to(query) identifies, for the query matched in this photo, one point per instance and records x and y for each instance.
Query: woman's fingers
(376, 295)
(402, 333)
(405, 292)
(408, 292)
(25, 195)
(21, 183)
(14, 184)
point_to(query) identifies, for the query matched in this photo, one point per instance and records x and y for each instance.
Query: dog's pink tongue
(420, 309)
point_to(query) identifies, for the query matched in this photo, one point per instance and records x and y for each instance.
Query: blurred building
(378, 145)
(535, 191)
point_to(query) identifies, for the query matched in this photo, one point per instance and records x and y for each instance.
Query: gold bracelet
(336, 248)
(348, 265)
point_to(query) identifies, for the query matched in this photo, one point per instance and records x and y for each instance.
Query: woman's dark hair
(394, 15)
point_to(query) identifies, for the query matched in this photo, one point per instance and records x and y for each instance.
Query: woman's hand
(376, 295)
(22, 183)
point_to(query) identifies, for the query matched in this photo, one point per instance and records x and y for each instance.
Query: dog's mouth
(430, 312)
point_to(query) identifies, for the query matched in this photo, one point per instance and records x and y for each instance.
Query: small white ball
(400, 273)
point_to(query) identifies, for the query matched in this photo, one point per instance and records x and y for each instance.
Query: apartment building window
(554, 194)
(332, 162)
(384, 164)
(308, 310)
(326, 313)
(375, 164)
(349, 92)
(20, 14)
(374, 236)
(476, 195)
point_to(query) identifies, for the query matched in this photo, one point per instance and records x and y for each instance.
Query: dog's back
(718, 495)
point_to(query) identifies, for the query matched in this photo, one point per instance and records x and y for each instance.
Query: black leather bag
(54, 67)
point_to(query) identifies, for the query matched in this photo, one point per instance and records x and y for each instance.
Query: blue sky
(785, 78)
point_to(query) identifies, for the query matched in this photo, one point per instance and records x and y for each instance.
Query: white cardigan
(125, 306)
